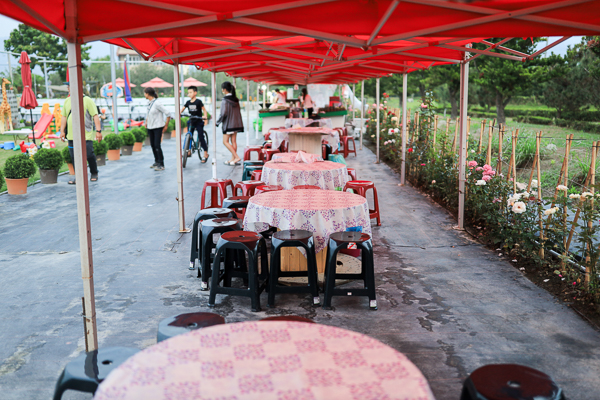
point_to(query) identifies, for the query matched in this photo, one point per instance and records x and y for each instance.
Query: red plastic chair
(352, 173)
(256, 175)
(345, 140)
(360, 188)
(247, 187)
(253, 149)
(267, 188)
(268, 154)
(299, 187)
(218, 192)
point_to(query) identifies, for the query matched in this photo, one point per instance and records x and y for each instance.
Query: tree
(448, 75)
(34, 42)
(505, 78)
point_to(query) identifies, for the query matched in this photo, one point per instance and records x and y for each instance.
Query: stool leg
(202, 198)
(195, 241)
(204, 271)
(253, 281)
(369, 272)
(274, 273)
(311, 264)
(330, 268)
(376, 205)
(215, 277)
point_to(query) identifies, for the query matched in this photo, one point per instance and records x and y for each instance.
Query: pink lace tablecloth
(267, 360)
(320, 211)
(329, 136)
(324, 174)
(326, 122)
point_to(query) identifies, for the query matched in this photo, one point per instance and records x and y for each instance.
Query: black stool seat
(248, 169)
(88, 370)
(337, 242)
(209, 228)
(249, 162)
(202, 215)
(183, 323)
(510, 381)
(294, 318)
(236, 202)
(230, 249)
(293, 238)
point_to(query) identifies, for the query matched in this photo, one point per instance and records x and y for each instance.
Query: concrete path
(446, 302)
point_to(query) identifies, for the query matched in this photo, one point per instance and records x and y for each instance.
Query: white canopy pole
(404, 130)
(257, 108)
(83, 195)
(248, 113)
(362, 111)
(462, 156)
(182, 87)
(213, 81)
(378, 122)
(113, 77)
(182, 228)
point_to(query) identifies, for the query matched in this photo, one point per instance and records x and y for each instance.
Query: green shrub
(113, 141)
(19, 166)
(184, 121)
(48, 159)
(128, 138)
(139, 134)
(66, 155)
(100, 147)
(1, 180)
(171, 125)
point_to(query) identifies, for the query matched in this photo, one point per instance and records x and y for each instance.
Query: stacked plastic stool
(218, 192)
(361, 187)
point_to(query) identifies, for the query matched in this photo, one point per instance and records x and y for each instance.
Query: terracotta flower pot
(173, 133)
(184, 129)
(138, 146)
(71, 169)
(48, 176)
(101, 159)
(127, 150)
(17, 186)
(114, 155)
(167, 135)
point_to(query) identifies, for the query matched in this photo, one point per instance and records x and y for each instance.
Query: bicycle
(190, 145)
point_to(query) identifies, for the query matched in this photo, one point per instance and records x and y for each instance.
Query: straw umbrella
(28, 100)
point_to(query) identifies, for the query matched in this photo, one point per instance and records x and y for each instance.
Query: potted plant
(1, 180)
(66, 155)
(100, 149)
(170, 130)
(140, 136)
(184, 121)
(17, 171)
(128, 142)
(49, 162)
(114, 143)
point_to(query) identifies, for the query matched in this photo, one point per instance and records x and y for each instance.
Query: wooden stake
(500, 140)
(565, 182)
(538, 142)
(481, 136)
(535, 162)
(417, 124)
(588, 270)
(560, 177)
(514, 160)
(488, 158)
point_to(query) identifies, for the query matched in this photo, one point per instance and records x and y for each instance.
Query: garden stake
(488, 158)
(500, 139)
(560, 175)
(511, 165)
(446, 137)
(588, 270)
(481, 136)
(514, 161)
(565, 182)
(455, 135)
(535, 163)
(538, 142)
(417, 126)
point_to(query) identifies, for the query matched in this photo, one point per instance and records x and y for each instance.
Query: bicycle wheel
(186, 150)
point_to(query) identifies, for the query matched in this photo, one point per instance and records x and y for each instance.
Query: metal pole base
(186, 230)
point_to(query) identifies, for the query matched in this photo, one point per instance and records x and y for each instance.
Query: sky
(100, 49)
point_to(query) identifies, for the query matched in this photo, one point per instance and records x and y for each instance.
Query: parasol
(156, 83)
(28, 100)
(193, 82)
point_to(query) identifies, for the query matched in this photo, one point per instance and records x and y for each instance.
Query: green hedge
(535, 120)
(590, 116)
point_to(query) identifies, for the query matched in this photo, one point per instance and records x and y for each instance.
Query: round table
(306, 139)
(267, 360)
(325, 174)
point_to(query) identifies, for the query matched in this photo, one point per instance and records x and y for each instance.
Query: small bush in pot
(66, 155)
(128, 142)
(100, 149)
(49, 162)
(17, 171)
(140, 136)
(1, 180)
(114, 143)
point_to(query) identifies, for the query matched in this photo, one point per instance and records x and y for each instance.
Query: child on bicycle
(197, 116)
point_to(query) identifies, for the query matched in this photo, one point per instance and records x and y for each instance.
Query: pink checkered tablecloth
(324, 174)
(267, 360)
(320, 211)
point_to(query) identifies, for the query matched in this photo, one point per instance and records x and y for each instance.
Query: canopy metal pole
(83, 199)
(248, 113)
(182, 87)
(46, 80)
(362, 112)
(257, 108)
(8, 55)
(115, 91)
(462, 156)
(182, 228)
(353, 101)
(378, 122)
(213, 82)
(404, 131)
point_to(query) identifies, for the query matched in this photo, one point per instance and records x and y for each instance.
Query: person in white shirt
(157, 121)
(307, 102)
(280, 97)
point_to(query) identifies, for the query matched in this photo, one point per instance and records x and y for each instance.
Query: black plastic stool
(88, 370)
(236, 203)
(293, 318)
(293, 238)
(202, 215)
(229, 244)
(249, 169)
(184, 323)
(510, 381)
(209, 228)
(337, 242)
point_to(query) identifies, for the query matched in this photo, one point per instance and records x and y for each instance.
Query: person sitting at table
(231, 117)
(307, 102)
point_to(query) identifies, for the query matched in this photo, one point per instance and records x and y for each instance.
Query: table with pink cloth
(329, 136)
(320, 211)
(324, 174)
(267, 360)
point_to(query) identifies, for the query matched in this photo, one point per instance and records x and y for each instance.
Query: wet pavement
(448, 303)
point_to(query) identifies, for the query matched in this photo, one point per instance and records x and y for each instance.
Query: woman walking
(307, 102)
(231, 117)
(157, 120)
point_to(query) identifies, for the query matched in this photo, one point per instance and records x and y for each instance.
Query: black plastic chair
(238, 204)
(510, 381)
(202, 215)
(209, 228)
(229, 247)
(337, 242)
(183, 323)
(88, 370)
(293, 238)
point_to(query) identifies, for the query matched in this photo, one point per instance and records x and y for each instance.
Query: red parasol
(121, 82)
(28, 100)
(193, 82)
(156, 83)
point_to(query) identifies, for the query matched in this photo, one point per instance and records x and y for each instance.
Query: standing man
(92, 121)
(198, 114)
